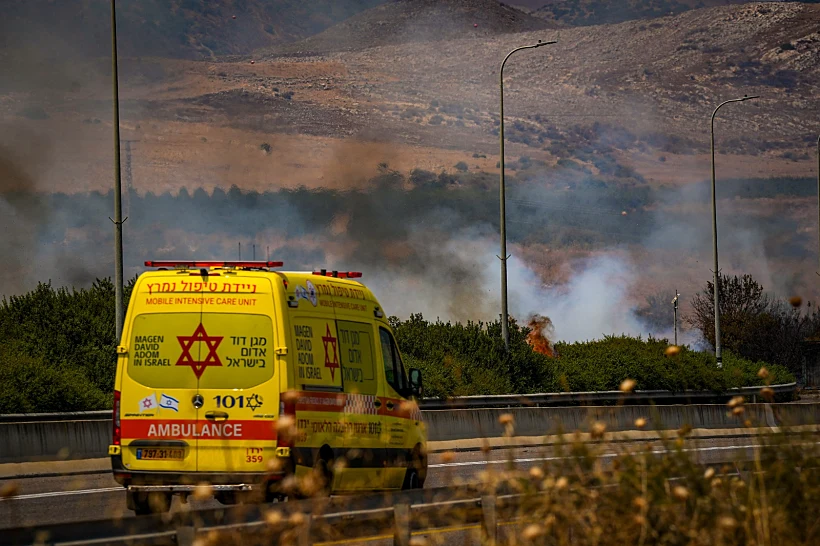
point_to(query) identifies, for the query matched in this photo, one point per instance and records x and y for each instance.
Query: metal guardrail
(100, 415)
(598, 398)
(592, 398)
(356, 516)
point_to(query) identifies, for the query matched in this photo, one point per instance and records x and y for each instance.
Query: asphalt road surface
(61, 499)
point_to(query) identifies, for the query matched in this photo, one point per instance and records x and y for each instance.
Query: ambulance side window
(393, 369)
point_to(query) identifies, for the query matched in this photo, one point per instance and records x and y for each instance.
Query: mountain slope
(169, 28)
(406, 21)
(600, 12)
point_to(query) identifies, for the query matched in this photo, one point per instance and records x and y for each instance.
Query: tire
(144, 504)
(418, 469)
(323, 475)
(411, 480)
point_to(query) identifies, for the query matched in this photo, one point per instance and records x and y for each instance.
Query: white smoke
(594, 303)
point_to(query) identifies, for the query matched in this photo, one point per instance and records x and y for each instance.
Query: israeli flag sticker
(169, 402)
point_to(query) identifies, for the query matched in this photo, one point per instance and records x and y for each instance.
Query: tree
(752, 324)
(742, 301)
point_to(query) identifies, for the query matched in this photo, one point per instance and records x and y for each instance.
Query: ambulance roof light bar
(339, 274)
(186, 264)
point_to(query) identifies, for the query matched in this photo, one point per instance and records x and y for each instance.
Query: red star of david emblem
(198, 366)
(147, 403)
(332, 364)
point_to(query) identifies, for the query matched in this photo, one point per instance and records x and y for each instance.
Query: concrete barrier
(82, 436)
(50, 440)
(483, 423)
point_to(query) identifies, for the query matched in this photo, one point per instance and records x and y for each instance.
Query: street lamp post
(505, 331)
(118, 281)
(716, 278)
(818, 190)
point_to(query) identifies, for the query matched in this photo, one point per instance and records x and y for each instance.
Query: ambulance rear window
(245, 351)
(205, 350)
(155, 350)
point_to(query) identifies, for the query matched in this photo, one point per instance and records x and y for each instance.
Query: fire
(540, 329)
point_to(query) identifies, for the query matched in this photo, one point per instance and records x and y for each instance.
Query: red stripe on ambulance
(201, 430)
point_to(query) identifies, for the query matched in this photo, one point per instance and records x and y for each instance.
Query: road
(60, 499)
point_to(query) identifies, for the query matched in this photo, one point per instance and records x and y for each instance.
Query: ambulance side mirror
(416, 388)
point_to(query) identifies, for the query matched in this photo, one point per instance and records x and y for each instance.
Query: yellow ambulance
(244, 378)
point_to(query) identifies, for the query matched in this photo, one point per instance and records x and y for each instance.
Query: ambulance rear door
(236, 374)
(158, 413)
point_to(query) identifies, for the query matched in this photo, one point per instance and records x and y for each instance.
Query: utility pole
(119, 314)
(675, 304)
(716, 272)
(505, 332)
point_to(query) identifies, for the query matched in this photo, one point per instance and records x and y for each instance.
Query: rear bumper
(187, 481)
(187, 488)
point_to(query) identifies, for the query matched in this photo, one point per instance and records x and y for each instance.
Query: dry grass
(650, 495)
(639, 497)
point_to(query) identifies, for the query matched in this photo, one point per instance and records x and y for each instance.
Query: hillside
(607, 148)
(169, 28)
(406, 21)
(601, 12)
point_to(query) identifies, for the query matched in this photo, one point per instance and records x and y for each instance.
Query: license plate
(160, 454)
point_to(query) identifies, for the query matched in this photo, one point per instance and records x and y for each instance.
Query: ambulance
(248, 381)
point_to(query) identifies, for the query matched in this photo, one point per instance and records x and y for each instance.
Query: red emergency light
(183, 263)
(339, 274)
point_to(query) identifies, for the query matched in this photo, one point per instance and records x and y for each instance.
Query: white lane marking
(605, 455)
(64, 493)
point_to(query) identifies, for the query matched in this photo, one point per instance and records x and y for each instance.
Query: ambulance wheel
(148, 503)
(323, 475)
(411, 480)
(417, 471)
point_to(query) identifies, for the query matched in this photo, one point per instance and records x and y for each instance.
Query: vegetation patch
(469, 359)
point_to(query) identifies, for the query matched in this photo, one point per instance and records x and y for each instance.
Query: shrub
(461, 166)
(28, 385)
(470, 359)
(71, 330)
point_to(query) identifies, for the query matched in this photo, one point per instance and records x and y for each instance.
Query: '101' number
(229, 401)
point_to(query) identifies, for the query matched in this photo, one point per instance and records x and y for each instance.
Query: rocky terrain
(602, 12)
(607, 135)
(409, 21)
(170, 28)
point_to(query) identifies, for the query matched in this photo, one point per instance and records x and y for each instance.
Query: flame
(540, 329)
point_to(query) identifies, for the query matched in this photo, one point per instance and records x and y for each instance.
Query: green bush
(58, 349)
(602, 365)
(28, 385)
(462, 360)
(459, 360)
